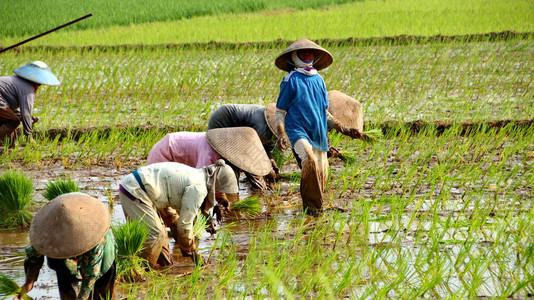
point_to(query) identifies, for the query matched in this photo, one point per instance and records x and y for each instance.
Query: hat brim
(35, 74)
(323, 58)
(242, 147)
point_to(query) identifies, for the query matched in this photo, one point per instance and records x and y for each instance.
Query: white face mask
(299, 62)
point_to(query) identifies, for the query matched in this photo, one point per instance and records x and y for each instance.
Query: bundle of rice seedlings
(15, 194)
(130, 238)
(249, 206)
(60, 187)
(372, 136)
(199, 227)
(9, 288)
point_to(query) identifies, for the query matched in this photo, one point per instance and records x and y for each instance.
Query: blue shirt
(305, 100)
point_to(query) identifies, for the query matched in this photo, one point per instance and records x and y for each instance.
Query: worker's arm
(32, 265)
(192, 198)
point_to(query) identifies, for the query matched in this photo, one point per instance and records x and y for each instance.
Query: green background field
(161, 22)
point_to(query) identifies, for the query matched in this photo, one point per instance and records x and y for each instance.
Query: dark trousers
(9, 122)
(68, 284)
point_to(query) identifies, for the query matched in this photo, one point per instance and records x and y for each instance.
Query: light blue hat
(38, 72)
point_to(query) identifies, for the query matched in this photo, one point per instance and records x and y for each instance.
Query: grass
(426, 82)
(59, 187)
(16, 194)
(20, 22)
(271, 21)
(430, 212)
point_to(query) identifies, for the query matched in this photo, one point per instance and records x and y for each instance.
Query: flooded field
(101, 183)
(415, 215)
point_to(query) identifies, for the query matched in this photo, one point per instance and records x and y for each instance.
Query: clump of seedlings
(9, 288)
(372, 135)
(60, 187)
(130, 238)
(249, 207)
(15, 194)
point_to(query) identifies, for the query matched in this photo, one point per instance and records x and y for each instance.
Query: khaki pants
(156, 248)
(314, 164)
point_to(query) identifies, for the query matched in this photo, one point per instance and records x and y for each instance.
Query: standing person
(17, 97)
(73, 232)
(148, 192)
(248, 115)
(302, 115)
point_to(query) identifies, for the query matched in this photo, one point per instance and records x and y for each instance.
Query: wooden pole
(45, 33)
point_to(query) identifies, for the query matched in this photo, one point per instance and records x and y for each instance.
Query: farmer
(190, 148)
(302, 115)
(17, 97)
(73, 232)
(147, 193)
(249, 115)
(240, 147)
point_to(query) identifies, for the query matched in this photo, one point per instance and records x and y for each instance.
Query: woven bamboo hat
(242, 147)
(270, 118)
(69, 225)
(322, 60)
(345, 109)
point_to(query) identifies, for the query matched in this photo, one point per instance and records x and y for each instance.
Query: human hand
(275, 166)
(282, 143)
(28, 286)
(351, 132)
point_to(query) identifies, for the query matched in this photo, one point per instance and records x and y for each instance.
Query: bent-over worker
(150, 190)
(73, 232)
(17, 98)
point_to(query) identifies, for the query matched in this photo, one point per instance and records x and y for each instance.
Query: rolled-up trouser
(314, 164)
(156, 247)
(9, 122)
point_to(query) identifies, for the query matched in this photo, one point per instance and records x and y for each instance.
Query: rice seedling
(15, 193)
(9, 288)
(129, 238)
(249, 207)
(59, 187)
(199, 227)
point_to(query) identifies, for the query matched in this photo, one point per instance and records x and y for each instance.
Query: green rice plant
(15, 194)
(199, 227)
(9, 288)
(130, 238)
(249, 207)
(59, 187)
(372, 135)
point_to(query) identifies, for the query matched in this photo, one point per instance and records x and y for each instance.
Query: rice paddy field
(441, 207)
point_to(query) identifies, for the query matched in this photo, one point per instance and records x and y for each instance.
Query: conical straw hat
(38, 72)
(270, 118)
(69, 225)
(242, 147)
(322, 60)
(345, 109)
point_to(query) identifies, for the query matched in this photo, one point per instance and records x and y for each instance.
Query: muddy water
(102, 184)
